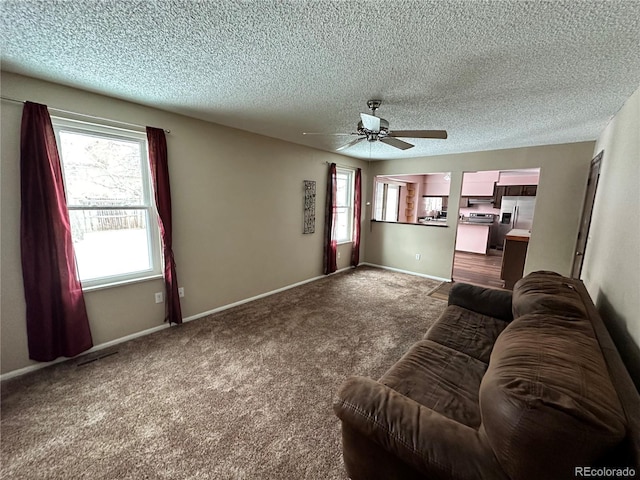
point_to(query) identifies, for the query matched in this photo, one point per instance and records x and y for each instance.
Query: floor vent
(97, 357)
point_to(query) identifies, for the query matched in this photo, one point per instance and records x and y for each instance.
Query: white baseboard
(440, 279)
(102, 346)
(95, 348)
(250, 299)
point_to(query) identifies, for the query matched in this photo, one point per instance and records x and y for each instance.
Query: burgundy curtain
(357, 209)
(330, 243)
(160, 175)
(57, 322)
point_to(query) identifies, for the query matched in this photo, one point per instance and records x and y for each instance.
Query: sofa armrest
(486, 301)
(431, 443)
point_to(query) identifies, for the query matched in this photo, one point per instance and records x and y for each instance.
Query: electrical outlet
(159, 297)
(418, 256)
(338, 254)
(181, 292)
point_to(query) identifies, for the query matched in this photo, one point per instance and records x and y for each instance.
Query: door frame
(587, 212)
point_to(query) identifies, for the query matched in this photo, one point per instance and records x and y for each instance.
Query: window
(107, 182)
(386, 202)
(344, 205)
(432, 204)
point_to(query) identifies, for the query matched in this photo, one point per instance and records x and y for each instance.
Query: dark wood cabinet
(513, 258)
(512, 191)
(498, 193)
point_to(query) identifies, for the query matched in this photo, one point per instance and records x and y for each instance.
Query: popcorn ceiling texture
(494, 74)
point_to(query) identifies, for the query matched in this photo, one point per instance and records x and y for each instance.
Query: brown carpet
(243, 394)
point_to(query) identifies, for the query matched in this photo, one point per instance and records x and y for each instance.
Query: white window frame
(154, 244)
(350, 177)
(380, 202)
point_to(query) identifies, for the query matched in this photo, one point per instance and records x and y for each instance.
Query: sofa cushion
(546, 293)
(487, 301)
(547, 402)
(439, 378)
(466, 331)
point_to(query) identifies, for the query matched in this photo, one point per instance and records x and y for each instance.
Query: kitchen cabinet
(436, 185)
(512, 191)
(479, 184)
(498, 193)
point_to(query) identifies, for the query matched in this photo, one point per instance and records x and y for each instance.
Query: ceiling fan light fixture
(373, 128)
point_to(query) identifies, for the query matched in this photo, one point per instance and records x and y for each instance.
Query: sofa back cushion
(547, 402)
(547, 293)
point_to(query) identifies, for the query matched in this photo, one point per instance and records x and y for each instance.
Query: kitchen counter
(432, 223)
(433, 220)
(518, 235)
(516, 242)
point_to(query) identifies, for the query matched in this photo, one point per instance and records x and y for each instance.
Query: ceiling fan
(373, 129)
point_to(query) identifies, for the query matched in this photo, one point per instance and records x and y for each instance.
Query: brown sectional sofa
(522, 385)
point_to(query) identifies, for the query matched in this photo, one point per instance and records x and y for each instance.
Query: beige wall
(611, 269)
(237, 212)
(563, 174)
(237, 201)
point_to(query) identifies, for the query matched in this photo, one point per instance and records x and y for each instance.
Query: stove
(481, 218)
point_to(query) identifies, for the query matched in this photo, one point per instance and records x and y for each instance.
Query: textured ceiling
(494, 74)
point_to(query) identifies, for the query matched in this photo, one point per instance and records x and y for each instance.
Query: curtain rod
(59, 110)
(351, 167)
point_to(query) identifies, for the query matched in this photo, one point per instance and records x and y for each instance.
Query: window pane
(378, 202)
(101, 170)
(342, 189)
(432, 203)
(391, 208)
(110, 242)
(343, 224)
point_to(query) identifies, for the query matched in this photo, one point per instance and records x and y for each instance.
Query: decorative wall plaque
(309, 225)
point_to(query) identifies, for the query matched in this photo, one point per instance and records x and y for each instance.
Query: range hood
(480, 200)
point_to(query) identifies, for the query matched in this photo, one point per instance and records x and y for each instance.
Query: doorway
(480, 235)
(587, 211)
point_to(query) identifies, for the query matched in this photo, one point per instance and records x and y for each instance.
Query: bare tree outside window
(108, 198)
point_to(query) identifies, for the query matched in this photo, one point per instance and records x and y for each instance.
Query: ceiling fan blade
(419, 134)
(370, 122)
(394, 142)
(350, 144)
(333, 134)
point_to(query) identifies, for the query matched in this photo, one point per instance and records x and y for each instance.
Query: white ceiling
(494, 74)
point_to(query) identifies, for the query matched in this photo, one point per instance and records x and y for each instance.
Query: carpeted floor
(243, 394)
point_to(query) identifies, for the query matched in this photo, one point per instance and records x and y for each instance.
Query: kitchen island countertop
(518, 234)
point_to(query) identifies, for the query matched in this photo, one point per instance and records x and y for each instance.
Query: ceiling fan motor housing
(372, 136)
